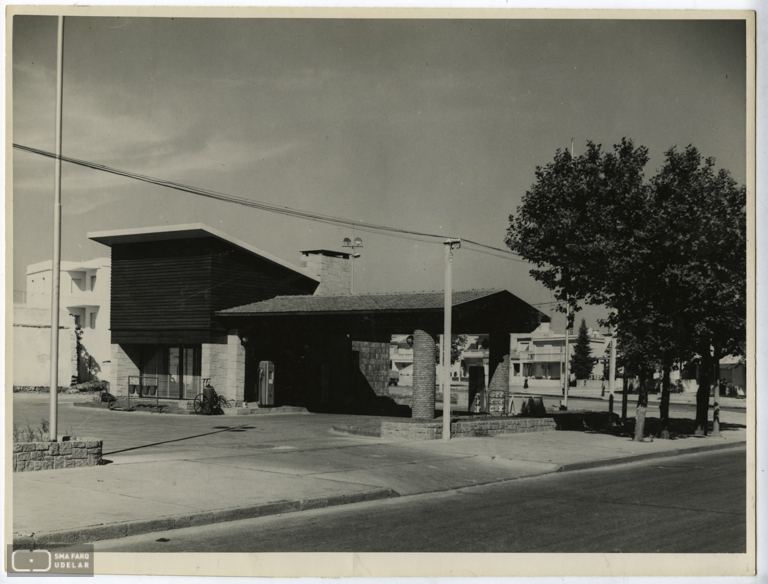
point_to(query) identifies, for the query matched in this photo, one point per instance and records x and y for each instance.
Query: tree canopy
(667, 255)
(458, 342)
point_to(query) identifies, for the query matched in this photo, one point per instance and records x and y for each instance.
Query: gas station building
(191, 305)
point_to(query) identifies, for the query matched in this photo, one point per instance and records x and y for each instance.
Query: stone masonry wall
(498, 362)
(235, 384)
(214, 366)
(423, 403)
(125, 362)
(411, 430)
(29, 456)
(374, 364)
(335, 274)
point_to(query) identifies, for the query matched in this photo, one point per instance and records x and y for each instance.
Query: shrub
(30, 434)
(94, 385)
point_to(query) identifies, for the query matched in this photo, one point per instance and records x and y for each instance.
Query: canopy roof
(474, 311)
(357, 303)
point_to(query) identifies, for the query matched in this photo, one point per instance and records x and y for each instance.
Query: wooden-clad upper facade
(168, 282)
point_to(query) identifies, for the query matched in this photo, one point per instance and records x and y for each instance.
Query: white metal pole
(352, 281)
(567, 360)
(612, 366)
(440, 366)
(567, 322)
(56, 263)
(447, 338)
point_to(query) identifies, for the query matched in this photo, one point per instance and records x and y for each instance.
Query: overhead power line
(288, 211)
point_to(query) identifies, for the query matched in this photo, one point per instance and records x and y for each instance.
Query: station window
(176, 369)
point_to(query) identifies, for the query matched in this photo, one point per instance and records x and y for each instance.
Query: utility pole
(56, 263)
(450, 245)
(567, 324)
(440, 368)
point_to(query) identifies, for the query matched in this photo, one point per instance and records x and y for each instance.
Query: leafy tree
(458, 342)
(704, 275)
(582, 361)
(667, 256)
(579, 222)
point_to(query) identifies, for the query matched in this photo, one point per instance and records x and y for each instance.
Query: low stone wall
(411, 430)
(69, 452)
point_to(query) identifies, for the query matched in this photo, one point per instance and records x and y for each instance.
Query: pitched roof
(358, 303)
(188, 231)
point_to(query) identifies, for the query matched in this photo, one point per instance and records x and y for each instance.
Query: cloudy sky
(428, 125)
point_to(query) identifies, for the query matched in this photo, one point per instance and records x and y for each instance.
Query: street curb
(589, 464)
(124, 529)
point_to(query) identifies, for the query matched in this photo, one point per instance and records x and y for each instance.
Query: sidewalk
(225, 476)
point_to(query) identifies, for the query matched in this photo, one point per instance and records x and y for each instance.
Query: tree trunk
(716, 398)
(642, 406)
(702, 395)
(664, 406)
(624, 399)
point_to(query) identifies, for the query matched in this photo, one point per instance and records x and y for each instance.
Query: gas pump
(266, 383)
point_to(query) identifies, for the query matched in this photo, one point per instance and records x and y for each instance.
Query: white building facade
(539, 357)
(84, 294)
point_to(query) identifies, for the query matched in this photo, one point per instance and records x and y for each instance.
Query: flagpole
(56, 264)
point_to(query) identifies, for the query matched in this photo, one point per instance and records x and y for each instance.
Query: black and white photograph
(419, 293)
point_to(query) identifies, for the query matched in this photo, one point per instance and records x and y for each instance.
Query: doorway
(176, 369)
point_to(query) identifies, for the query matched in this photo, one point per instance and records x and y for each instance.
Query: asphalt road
(687, 504)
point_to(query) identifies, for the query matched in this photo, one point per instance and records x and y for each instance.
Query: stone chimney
(334, 268)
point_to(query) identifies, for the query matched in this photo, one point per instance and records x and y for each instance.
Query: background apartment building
(85, 304)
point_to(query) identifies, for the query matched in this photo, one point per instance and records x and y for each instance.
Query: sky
(428, 125)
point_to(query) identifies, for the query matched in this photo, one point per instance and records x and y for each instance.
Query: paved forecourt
(168, 472)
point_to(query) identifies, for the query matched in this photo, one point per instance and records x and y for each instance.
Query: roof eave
(330, 313)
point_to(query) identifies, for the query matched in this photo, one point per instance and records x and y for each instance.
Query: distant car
(394, 377)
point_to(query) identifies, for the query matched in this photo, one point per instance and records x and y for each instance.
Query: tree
(582, 361)
(458, 342)
(667, 256)
(705, 273)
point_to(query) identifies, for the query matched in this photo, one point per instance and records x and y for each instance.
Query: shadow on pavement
(607, 423)
(219, 430)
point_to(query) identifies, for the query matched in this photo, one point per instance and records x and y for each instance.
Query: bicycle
(209, 402)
